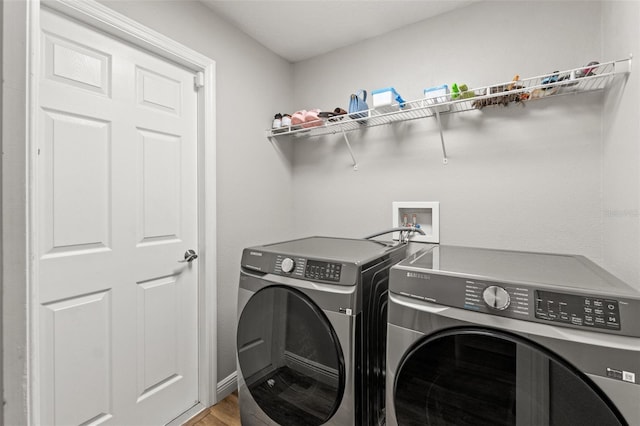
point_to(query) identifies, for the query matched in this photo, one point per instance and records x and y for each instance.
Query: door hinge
(199, 79)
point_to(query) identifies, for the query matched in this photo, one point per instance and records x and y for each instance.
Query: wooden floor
(224, 413)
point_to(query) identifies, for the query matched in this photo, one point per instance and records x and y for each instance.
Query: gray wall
(253, 180)
(14, 213)
(525, 178)
(621, 152)
(557, 175)
(1, 233)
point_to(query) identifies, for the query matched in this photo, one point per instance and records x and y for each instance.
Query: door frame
(105, 19)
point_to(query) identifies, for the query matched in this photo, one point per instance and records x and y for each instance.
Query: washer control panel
(496, 297)
(289, 266)
(559, 291)
(578, 310)
(488, 297)
(301, 267)
(325, 271)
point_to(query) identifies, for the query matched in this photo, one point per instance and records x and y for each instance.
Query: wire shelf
(578, 80)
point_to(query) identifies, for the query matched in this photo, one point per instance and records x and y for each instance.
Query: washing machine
(493, 337)
(312, 331)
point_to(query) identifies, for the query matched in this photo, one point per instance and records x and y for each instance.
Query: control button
(611, 307)
(612, 318)
(597, 303)
(496, 297)
(587, 302)
(287, 265)
(599, 312)
(588, 310)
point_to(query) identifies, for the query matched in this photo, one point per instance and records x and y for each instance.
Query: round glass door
(476, 377)
(290, 357)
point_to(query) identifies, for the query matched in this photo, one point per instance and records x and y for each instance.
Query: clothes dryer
(312, 331)
(491, 337)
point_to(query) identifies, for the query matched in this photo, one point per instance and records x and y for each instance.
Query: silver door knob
(189, 256)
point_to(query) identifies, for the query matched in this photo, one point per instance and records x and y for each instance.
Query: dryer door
(290, 357)
(477, 376)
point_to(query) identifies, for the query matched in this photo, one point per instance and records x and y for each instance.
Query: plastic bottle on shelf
(455, 91)
(277, 121)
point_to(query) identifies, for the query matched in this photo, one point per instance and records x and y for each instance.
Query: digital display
(325, 271)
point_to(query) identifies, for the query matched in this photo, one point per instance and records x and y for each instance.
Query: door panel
(78, 346)
(78, 215)
(158, 91)
(157, 333)
(160, 175)
(77, 65)
(117, 210)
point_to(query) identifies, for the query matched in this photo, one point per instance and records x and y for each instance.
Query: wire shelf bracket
(445, 160)
(353, 157)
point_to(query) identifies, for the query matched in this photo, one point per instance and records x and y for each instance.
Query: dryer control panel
(578, 310)
(326, 260)
(327, 271)
(300, 267)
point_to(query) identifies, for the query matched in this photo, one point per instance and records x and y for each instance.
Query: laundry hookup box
(387, 100)
(435, 95)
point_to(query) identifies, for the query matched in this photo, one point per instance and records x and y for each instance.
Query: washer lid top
(330, 248)
(538, 269)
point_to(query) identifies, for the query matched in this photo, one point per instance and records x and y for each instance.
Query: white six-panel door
(117, 209)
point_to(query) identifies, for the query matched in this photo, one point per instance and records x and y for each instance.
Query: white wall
(621, 153)
(254, 181)
(526, 178)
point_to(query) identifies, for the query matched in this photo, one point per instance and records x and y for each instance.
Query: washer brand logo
(626, 376)
(255, 253)
(418, 275)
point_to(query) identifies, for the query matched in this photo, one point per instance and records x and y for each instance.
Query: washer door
(475, 376)
(290, 357)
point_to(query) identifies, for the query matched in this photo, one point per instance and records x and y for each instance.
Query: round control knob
(287, 265)
(496, 297)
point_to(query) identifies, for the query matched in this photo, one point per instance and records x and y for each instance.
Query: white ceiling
(301, 29)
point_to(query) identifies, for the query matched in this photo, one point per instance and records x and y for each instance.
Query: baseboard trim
(226, 386)
(188, 415)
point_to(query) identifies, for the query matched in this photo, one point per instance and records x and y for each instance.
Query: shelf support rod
(353, 158)
(444, 151)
